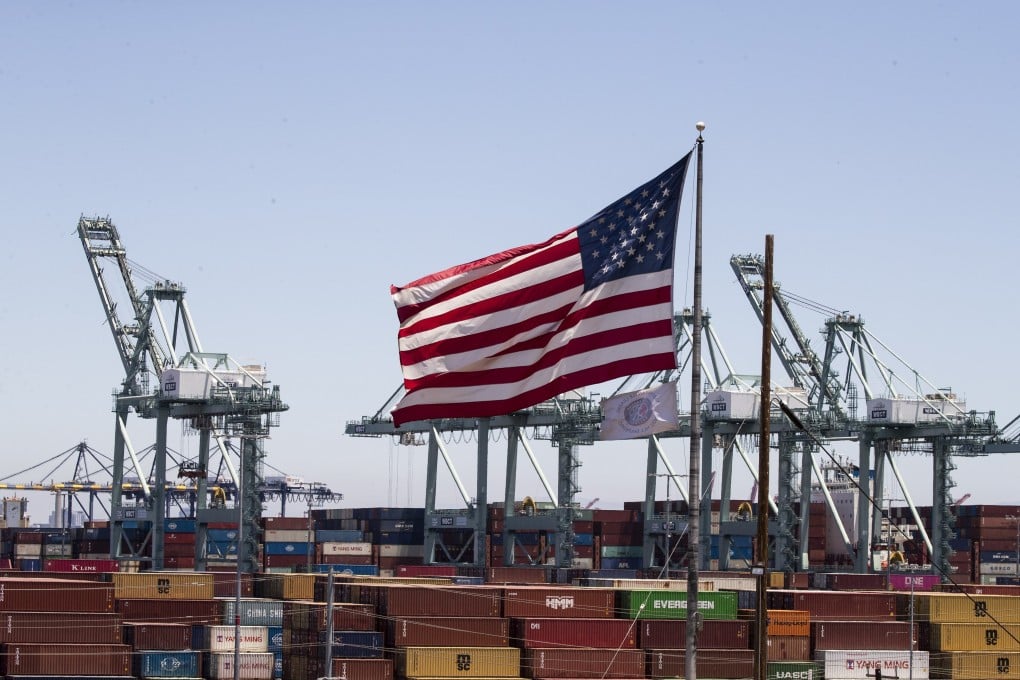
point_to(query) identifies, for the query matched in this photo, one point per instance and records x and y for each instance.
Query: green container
(622, 551)
(792, 670)
(672, 604)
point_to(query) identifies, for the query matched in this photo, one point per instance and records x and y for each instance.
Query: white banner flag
(640, 414)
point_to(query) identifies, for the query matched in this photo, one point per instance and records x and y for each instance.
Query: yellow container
(960, 608)
(975, 637)
(458, 662)
(288, 586)
(964, 665)
(164, 585)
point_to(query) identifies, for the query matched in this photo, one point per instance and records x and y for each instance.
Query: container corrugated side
(57, 659)
(363, 669)
(672, 604)
(605, 633)
(961, 608)
(399, 600)
(566, 602)
(221, 638)
(788, 648)
(60, 627)
(157, 636)
(287, 586)
(164, 585)
(167, 664)
(354, 644)
(788, 622)
(714, 634)
(709, 663)
(792, 670)
(448, 632)
(841, 605)
(895, 635)
(962, 665)
(254, 611)
(467, 662)
(583, 663)
(55, 595)
(252, 666)
(861, 664)
(191, 612)
(974, 637)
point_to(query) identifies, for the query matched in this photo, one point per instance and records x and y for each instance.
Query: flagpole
(694, 495)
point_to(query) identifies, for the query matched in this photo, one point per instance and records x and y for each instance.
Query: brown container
(57, 659)
(885, 635)
(272, 561)
(848, 581)
(179, 550)
(710, 663)
(564, 601)
(225, 583)
(715, 634)
(363, 669)
(846, 606)
(583, 663)
(447, 632)
(157, 636)
(516, 574)
(191, 612)
(399, 600)
(179, 539)
(60, 627)
(788, 648)
(55, 595)
(346, 559)
(289, 523)
(547, 633)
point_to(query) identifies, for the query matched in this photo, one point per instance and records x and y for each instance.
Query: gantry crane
(233, 400)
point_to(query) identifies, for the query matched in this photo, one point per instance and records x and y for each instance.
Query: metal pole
(329, 624)
(694, 496)
(237, 582)
(762, 547)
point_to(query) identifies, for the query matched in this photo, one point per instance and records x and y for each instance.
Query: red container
(82, 566)
(619, 516)
(363, 669)
(787, 648)
(847, 581)
(179, 550)
(28, 538)
(55, 595)
(709, 663)
(191, 612)
(286, 523)
(603, 633)
(179, 539)
(225, 583)
(715, 634)
(516, 575)
(272, 561)
(543, 664)
(447, 632)
(346, 559)
(349, 617)
(562, 602)
(56, 659)
(157, 636)
(438, 601)
(895, 635)
(60, 627)
(846, 606)
(180, 563)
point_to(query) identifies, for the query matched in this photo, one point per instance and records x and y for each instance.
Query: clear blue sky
(289, 161)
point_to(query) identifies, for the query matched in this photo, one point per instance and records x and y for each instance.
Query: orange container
(788, 622)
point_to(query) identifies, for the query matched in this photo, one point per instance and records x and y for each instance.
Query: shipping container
(792, 670)
(254, 611)
(363, 669)
(221, 638)
(301, 536)
(157, 636)
(354, 644)
(55, 595)
(862, 664)
(167, 664)
(164, 585)
(962, 665)
(252, 666)
(876, 635)
(81, 566)
(58, 659)
(714, 634)
(566, 602)
(287, 586)
(781, 621)
(833, 605)
(543, 664)
(787, 647)
(672, 604)
(971, 637)
(448, 632)
(466, 662)
(60, 627)
(709, 663)
(191, 612)
(398, 600)
(516, 575)
(962, 608)
(606, 633)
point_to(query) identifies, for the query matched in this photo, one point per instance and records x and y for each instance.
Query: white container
(905, 411)
(335, 548)
(860, 664)
(287, 536)
(732, 405)
(997, 569)
(221, 638)
(28, 550)
(251, 666)
(185, 384)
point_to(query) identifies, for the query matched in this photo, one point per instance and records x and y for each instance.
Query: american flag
(508, 331)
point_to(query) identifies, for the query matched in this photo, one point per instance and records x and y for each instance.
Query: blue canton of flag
(636, 234)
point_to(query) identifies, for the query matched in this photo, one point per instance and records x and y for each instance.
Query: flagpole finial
(700, 125)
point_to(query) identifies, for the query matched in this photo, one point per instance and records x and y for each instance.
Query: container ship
(347, 593)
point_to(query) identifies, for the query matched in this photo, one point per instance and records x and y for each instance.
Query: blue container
(355, 644)
(276, 548)
(338, 536)
(615, 574)
(277, 664)
(96, 534)
(182, 664)
(998, 556)
(221, 535)
(959, 544)
(179, 525)
(212, 548)
(30, 565)
(347, 569)
(275, 636)
(613, 563)
(468, 580)
(584, 539)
